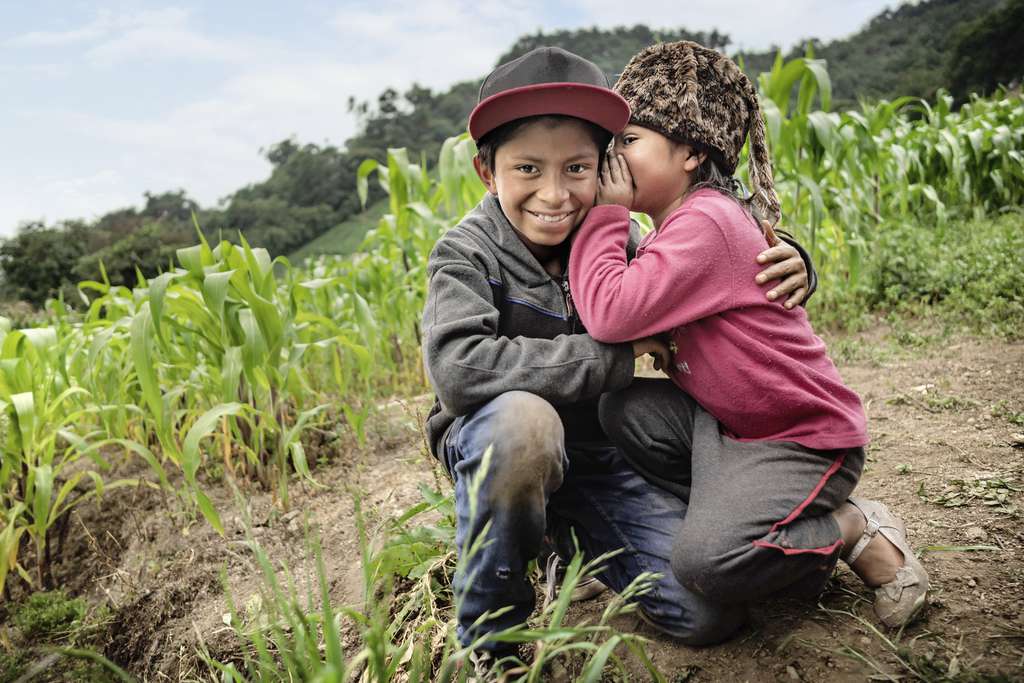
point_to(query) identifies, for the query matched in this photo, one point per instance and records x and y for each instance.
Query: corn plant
(842, 177)
(222, 329)
(43, 414)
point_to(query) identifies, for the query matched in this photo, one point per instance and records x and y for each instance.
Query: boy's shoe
(587, 588)
(900, 600)
(491, 665)
(485, 667)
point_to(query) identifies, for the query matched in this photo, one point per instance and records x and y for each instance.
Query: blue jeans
(537, 483)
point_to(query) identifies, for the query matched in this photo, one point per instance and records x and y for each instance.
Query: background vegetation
(961, 45)
(218, 365)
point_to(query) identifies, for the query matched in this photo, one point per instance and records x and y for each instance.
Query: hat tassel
(760, 170)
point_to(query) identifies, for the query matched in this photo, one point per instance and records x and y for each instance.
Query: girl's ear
(694, 160)
(486, 174)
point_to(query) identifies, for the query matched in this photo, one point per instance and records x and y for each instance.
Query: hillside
(304, 207)
(905, 51)
(344, 238)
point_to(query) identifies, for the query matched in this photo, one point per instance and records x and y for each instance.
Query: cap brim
(600, 106)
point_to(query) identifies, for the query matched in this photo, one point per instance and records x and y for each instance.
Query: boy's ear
(486, 174)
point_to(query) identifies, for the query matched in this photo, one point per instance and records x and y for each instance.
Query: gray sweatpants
(758, 520)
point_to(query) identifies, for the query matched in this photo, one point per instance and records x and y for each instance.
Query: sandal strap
(870, 529)
(551, 579)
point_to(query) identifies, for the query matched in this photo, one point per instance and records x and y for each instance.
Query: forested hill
(906, 51)
(902, 51)
(611, 49)
(912, 50)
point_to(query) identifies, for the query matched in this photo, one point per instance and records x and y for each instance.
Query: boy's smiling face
(545, 178)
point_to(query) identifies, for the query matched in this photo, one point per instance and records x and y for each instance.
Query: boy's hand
(785, 264)
(657, 348)
(615, 186)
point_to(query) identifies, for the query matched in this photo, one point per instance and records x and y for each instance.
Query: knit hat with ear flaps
(693, 94)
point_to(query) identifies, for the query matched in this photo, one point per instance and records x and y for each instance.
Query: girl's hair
(710, 174)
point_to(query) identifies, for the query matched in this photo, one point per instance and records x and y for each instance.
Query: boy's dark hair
(487, 146)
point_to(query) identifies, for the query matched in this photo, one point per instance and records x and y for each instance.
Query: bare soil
(941, 415)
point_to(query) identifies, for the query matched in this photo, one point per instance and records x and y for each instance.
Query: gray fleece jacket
(496, 321)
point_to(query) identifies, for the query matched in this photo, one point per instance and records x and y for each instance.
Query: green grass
(405, 630)
(51, 639)
(344, 238)
(48, 614)
(968, 272)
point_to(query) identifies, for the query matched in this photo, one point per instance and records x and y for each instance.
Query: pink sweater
(757, 367)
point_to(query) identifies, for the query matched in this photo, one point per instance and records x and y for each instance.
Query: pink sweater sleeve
(684, 273)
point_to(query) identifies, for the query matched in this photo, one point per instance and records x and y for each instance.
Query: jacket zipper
(570, 312)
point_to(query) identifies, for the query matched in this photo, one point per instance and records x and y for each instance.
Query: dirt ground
(947, 453)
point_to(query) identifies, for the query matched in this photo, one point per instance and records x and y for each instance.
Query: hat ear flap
(759, 167)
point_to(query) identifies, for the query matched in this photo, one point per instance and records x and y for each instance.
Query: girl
(765, 442)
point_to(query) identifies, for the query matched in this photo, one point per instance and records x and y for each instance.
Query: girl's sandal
(900, 600)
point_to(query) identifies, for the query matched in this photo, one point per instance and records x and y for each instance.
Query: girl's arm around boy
(687, 273)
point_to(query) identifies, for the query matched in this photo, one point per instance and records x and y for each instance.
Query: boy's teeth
(551, 219)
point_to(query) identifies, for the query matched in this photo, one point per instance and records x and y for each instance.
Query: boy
(514, 369)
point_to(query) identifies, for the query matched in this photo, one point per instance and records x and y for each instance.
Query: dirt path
(942, 421)
(942, 429)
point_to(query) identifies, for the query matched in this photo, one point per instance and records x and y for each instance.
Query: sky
(103, 101)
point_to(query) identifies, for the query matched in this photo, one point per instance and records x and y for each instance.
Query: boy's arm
(680, 277)
(469, 362)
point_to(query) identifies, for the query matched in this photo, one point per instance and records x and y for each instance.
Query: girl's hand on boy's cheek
(615, 185)
(786, 265)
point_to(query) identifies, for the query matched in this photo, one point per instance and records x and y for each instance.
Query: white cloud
(434, 42)
(750, 25)
(91, 31)
(165, 33)
(48, 70)
(104, 156)
(162, 34)
(56, 197)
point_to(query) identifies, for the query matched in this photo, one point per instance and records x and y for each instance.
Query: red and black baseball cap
(547, 80)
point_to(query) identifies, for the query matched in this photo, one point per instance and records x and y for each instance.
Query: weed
(53, 634)
(994, 492)
(920, 657)
(1004, 410)
(936, 404)
(48, 616)
(406, 626)
(925, 398)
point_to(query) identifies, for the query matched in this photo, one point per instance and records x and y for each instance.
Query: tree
(37, 262)
(174, 205)
(271, 222)
(988, 52)
(149, 250)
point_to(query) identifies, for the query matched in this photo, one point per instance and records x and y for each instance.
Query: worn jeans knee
(506, 493)
(527, 452)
